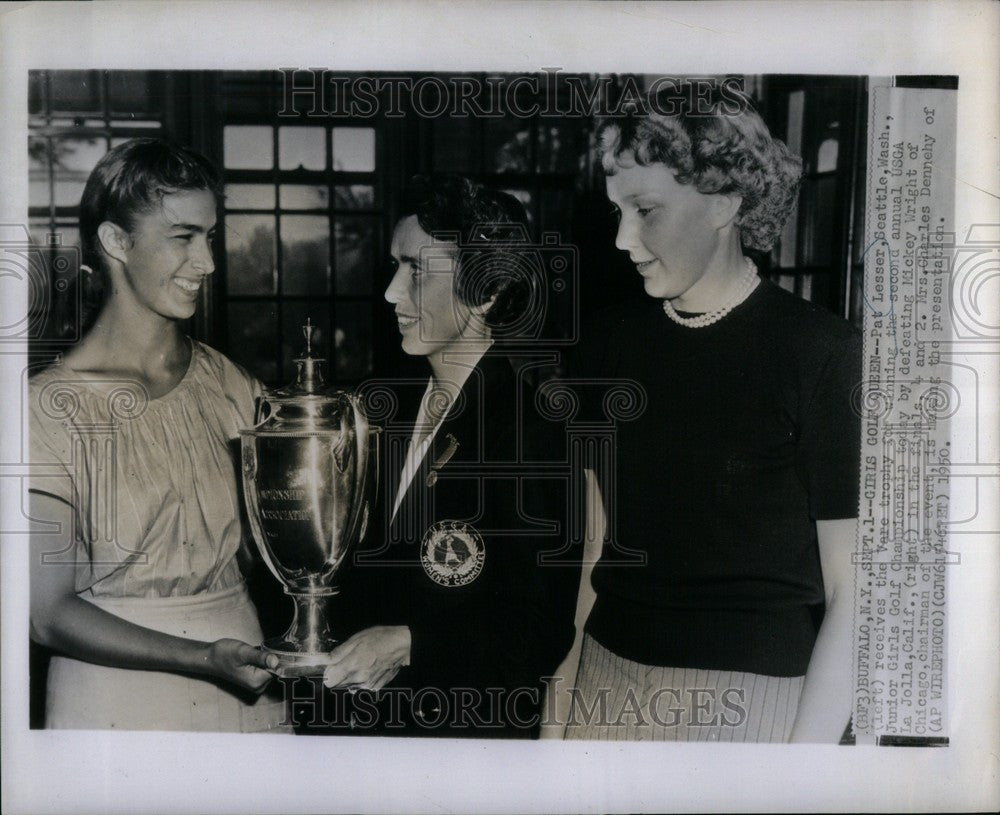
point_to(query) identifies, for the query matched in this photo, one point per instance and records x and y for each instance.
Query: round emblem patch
(452, 553)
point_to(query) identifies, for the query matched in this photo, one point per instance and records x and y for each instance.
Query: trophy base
(294, 663)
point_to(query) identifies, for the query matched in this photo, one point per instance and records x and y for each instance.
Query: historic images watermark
(319, 92)
(309, 705)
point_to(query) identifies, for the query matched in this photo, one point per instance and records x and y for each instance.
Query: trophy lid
(309, 378)
(306, 401)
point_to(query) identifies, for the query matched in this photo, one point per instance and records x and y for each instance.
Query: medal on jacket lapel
(442, 459)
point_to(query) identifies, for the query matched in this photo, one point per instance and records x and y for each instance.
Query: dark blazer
(460, 565)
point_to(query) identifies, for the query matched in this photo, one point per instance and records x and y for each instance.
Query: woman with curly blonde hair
(723, 599)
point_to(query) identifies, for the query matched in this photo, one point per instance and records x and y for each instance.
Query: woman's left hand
(369, 659)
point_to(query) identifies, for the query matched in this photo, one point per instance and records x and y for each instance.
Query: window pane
(822, 121)
(135, 123)
(248, 92)
(69, 191)
(508, 146)
(354, 196)
(304, 196)
(302, 148)
(253, 338)
(250, 266)
(826, 160)
(248, 148)
(249, 196)
(73, 159)
(556, 211)
(796, 111)
(79, 155)
(356, 245)
(36, 91)
(131, 91)
(456, 145)
(305, 247)
(354, 149)
(38, 154)
(353, 341)
(788, 248)
(559, 148)
(76, 91)
(293, 343)
(817, 238)
(248, 100)
(38, 172)
(39, 194)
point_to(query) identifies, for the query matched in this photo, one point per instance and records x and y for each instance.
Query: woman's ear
(114, 240)
(724, 209)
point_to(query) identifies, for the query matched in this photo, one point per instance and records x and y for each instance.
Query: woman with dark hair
(458, 616)
(738, 486)
(137, 587)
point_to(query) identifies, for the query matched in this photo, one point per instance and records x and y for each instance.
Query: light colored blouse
(154, 482)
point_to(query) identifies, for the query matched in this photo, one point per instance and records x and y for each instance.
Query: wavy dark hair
(496, 256)
(131, 180)
(720, 145)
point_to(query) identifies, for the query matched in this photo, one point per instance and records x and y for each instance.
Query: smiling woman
(456, 617)
(139, 591)
(742, 473)
(167, 255)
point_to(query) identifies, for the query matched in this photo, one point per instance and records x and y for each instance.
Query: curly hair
(496, 257)
(718, 150)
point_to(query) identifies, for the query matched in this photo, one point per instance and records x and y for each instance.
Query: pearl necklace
(747, 283)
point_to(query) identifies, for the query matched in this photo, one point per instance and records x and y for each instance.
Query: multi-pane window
(75, 117)
(818, 256)
(538, 159)
(303, 236)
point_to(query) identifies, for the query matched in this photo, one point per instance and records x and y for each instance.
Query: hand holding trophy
(309, 466)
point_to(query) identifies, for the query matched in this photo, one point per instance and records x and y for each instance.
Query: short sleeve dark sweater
(748, 437)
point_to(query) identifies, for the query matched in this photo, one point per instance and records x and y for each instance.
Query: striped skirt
(616, 699)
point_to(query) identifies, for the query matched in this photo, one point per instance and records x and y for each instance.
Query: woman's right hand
(241, 664)
(63, 621)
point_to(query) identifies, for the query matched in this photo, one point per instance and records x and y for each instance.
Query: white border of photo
(49, 771)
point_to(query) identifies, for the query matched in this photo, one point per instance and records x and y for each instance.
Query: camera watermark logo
(502, 273)
(35, 279)
(975, 282)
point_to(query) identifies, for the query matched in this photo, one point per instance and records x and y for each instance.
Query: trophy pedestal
(304, 649)
(296, 663)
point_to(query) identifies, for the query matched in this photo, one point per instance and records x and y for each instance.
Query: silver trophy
(309, 466)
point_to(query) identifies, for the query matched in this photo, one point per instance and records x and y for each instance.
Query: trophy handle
(262, 411)
(362, 441)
